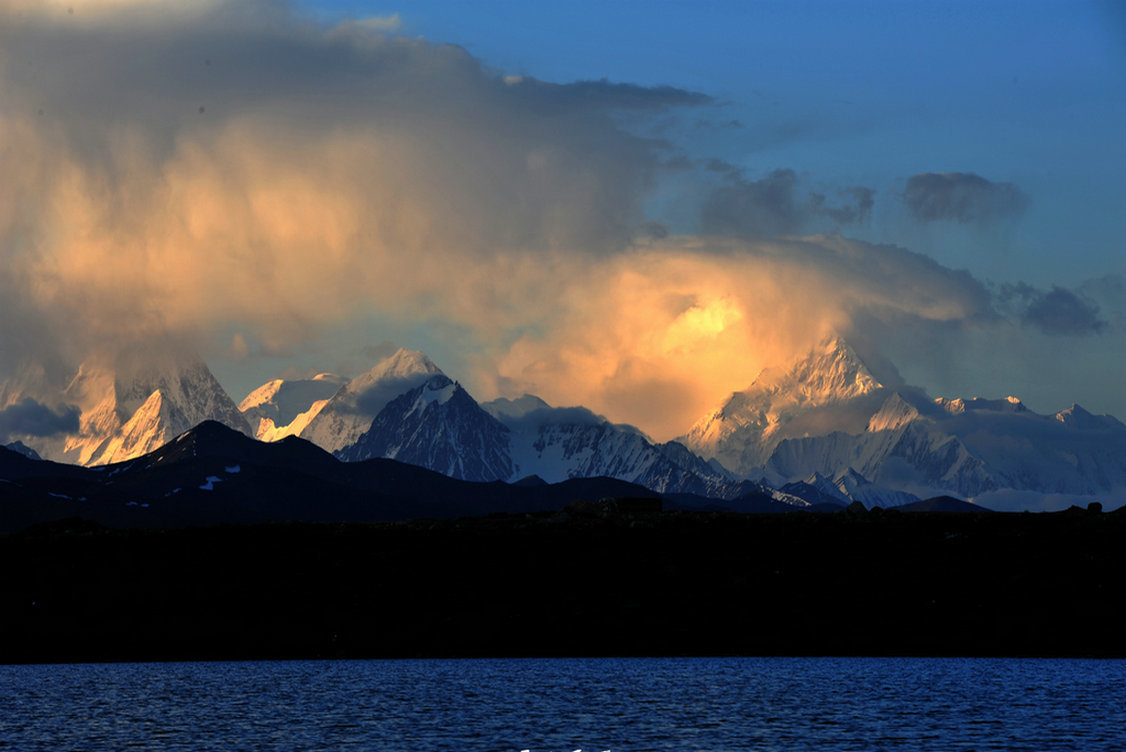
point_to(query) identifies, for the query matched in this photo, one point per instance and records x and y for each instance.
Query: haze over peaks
(830, 388)
(128, 404)
(343, 418)
(281, 407)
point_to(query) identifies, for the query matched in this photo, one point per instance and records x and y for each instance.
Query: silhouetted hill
(943, 504)
(214, 475)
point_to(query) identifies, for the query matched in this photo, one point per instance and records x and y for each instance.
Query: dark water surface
(561, 705)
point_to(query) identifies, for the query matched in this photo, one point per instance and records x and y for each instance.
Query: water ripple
(560, 705)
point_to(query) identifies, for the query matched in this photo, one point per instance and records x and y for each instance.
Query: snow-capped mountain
(346, 415)
(133, 403)
(829, 389)
(969, 448)
(437, 425)
(284, 407)
(826, 426)
(912, 455)
(1070, 452)
(847, 487)
(823, 430)
(560, 443)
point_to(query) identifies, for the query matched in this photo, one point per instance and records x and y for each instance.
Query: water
(561, 705)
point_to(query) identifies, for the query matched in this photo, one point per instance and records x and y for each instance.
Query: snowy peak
(438, 390)
(350, 411)
(558, 443)
(263, 395)
(438, 425)
(508, 409)
(133, 401)
(284, 407)
(959, 406)
(1078, 418)
(146, 430)
(895, 412)
(832, 372)
(855, 486)
(403, 366)
(830, 382)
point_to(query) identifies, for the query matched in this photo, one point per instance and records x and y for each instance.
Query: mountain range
(214, 475)
(827, 417)
(126, 406)
(820, 430)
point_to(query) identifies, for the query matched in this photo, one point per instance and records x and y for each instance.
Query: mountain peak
(958, 405)
(895, 412)
(750, 423)
(212, 439)
(403, 363)
(1076, 417)
(503, 408)
(348, 414)
(437, 425)
(284, 407)
(261, 395)
(132, 400)
(25, 450)
(832, 372)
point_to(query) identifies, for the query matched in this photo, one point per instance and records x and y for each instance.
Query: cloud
(757, 208)
(180, 171)
(961, 197)
(656, 336)
(344, 177)
(601, 95)
(1058, 312)
(773, 205)
(381, 23)
(31, 418)
(858, 212)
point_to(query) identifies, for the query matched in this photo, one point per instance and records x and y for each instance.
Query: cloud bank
(28, 417)
(774, 205)
(1058, 311)
(961, 197)
(230, 172)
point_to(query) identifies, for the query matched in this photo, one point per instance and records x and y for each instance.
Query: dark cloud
(860, 211)
(679, 163)
(602, 95)
(1057, 311)
(961, 197)
(754, 208)
(30, 418)
(773, 205)
(722, 167)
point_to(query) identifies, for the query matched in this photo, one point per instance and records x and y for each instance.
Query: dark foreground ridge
(588, 581)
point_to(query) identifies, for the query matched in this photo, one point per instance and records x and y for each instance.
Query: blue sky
(1032, 93)
(631, 206)
(871, 93)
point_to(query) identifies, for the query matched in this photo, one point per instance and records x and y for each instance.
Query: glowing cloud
(248, 180)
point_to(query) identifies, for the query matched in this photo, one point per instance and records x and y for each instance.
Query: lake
(566, 704)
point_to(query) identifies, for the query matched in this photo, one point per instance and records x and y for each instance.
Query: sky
(630, 206)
